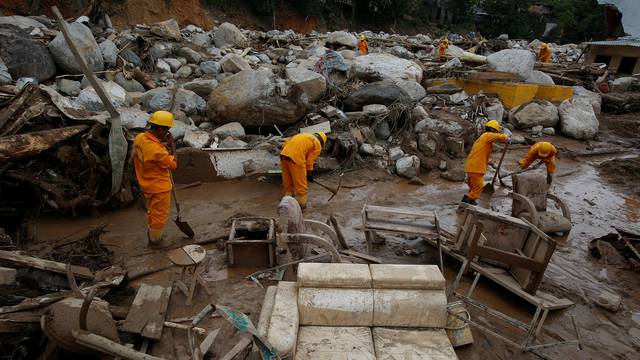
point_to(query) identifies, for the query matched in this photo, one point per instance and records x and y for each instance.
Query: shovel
(182, 225)
(519, 172)
(488, 188)
(330, 189)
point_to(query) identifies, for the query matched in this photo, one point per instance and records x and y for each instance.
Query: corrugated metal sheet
(623, 42)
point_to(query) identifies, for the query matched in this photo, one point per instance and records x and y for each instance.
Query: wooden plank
(207, 343)
(148, 310)
(109, 347)
(400, 211)
(338, 230)
(241, 345)
(399, 228)
(323, 126)
(359, 255)
(34, 303)
(48, 265)
(18, 146)
(495, 216)
(164, 347)
(148, 264)
(511, 259)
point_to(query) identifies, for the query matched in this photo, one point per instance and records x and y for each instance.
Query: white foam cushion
(335, 343)
(318, 275)
(409, 308)
(417, 277)
(335, 307)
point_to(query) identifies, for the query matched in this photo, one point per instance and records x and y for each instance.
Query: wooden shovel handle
(504, 152)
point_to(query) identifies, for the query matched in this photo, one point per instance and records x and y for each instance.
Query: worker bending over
(476, 164)
(443, 46)
(363, 46)
(544, 55)
(297, 157)
(153, 162)
(546, 152)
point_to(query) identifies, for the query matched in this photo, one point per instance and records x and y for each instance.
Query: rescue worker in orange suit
(476, 164)
(544, 55)
(153, 161)
(546, 152)
(363, 46)
(443, 46)
(297, 157)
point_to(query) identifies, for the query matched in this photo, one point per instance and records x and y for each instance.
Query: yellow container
(458, 330)
(554, 93)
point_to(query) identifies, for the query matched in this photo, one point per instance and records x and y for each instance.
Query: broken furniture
(530, 194)
(252, 242)
(190, 259)
(397, 220)
(381, 311)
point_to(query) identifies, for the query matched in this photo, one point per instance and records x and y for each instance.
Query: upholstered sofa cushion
(318, 275)
(335, 307)
(409, 308)
(416, 277)
(283, 325)
(403, 344)
(335, 343)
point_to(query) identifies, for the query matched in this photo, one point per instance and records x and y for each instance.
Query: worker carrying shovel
(153, 162)
(363, 45)
(476, 164)
(297, 157)
(546, 152)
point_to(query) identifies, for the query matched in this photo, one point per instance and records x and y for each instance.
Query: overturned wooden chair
(530, 195)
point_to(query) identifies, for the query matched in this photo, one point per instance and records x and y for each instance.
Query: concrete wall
(630, 10)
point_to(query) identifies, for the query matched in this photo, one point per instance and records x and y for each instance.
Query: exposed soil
(622, 171)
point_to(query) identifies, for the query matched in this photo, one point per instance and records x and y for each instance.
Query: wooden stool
(190, 259)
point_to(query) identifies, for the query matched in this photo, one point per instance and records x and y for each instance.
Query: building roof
(620, 42)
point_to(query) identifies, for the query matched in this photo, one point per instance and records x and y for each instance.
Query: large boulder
(582, 94)
(234, 129)
(342, 38)
(109, 52)
(86, 44)
(534, 113)
(251, 98)
(131, 85)
(414, 89)
(513, 61)
(196, 138)
(157, 99)
(192, 56)
(133, 118)
(202, 87)
(25, 57)
(5, 77)
(381, 92)
(578, 120)
(312, 83)
(228, 35)
(91, 101)
(539, 77)
(233, 63)
(408, 166)
(21, 22)
(376, 67)
(189, 102)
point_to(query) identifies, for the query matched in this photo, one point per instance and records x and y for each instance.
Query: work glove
(549, 178)
(310, 176)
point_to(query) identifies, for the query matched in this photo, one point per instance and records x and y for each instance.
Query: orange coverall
(544, 55)
(442, 48)
(477, 161)
(298, 155)
(532, 156)
(152, 163)
(363, 47)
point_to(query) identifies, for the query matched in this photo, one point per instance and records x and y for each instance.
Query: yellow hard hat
(322, 137)
(361, 37)
(544, 45)
(162, 118)
(494, 124)
(545, 149)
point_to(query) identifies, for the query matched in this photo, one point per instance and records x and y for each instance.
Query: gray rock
(264, 58)
(25, 57)
(408, 166)
(163, 67)
(83, 39)
(427, 145)
(382, 130)
(395, 153)
(455, 174)
(346, 54)
(458, 98)
(228, 35)
(210, 67)
(232, 63)
(538, 77)
(252, 59)
(251, 98)
(157, 99)
(342, 38)
(179, 129)
(376, 67)
(536, 112)
(205, 126)
(133, 118)
(415, 90)
(5, 77)
(234, 129)
(202, 87)
(312, 83)
(503, 37)
(495, 111)
(375, 110)
(131, 85)
(454, 146)
(174, 64)
(189, 102)
(68, 87)
(196, 138)
(549, 131)
(367, 149)
(91, 101)
(23, 81)
(381, 92)
(623, 83)
(131, 57)
(401, 52)
(109, 53)
(582, 94)
(184, 72)
(214, 51)
(514, 61)
(201, 39)
(442, 165)
(21, 22)
(160, 50)
(192, 56)
(518, 139)
(429, 125)
(578, 120)
(230, 143)
(536, 131)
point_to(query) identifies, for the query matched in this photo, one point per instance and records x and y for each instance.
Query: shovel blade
(185, 228)
(488, 189)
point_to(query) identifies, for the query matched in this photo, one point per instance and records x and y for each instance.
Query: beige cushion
(317, 275)
(420, 277)
(396, 344)
(409, 308)
(266, 310)
(335, 307)
(335, 343)
(283, 326)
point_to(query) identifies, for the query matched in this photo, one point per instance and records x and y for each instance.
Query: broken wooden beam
(42, 264)
(104, 345)
(237, 349)
(147, 313)
(359, 255)
(36, 302)
(338, 230)
(23, 145)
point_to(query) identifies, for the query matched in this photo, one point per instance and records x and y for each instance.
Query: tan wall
(616, 53)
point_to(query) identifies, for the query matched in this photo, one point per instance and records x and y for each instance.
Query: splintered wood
(48, 265)
(148, 311)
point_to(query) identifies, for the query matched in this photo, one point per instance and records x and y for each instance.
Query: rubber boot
(302, 200)
(155, 237)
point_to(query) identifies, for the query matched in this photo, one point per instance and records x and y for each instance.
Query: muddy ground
(597, 203)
